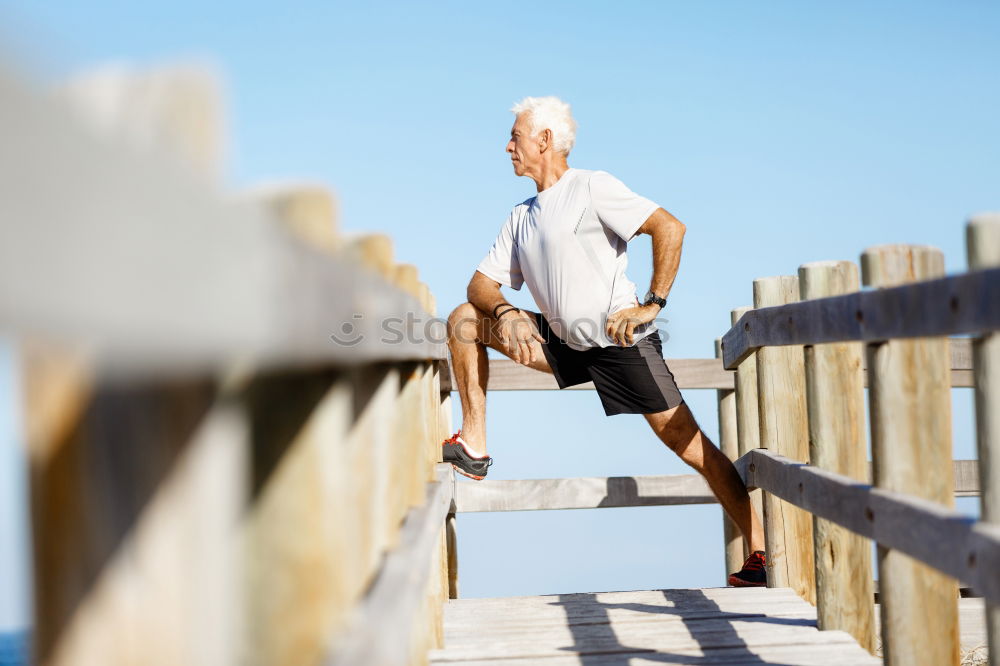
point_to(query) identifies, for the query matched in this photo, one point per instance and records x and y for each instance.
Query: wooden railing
(213, 479)
(807, 449)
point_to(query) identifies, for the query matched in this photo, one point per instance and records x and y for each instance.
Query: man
(568, 244)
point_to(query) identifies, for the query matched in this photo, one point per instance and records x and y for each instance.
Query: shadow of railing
(708, 628)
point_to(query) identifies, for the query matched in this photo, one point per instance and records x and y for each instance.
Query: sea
(15, 648)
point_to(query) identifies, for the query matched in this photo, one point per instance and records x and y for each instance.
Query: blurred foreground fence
(214, 478)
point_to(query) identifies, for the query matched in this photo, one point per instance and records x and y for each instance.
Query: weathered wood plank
(451, 533)
(781, 404)
(952, 543)
(582, 493)
(508, 375)
(593, 492)
(664, 626)
(690, 373)
(983, 244)
(306, 503)
(122, 476)
(127, 280)
(399, 589)
(836, 404)
(910, 417)
(733, 542)
(936, 307)
(831, 654)
(617, 607)
(747, 413)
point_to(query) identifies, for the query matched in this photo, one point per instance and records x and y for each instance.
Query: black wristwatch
(653, 298)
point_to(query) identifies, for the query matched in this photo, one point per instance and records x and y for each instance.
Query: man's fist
(518, 334)
(621, 323)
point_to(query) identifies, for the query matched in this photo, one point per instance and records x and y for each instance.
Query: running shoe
(463, 459)
(753, 573)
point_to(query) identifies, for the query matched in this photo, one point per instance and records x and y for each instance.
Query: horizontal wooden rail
(399, 589)
(582, 493)
(507, 375)
(953, 305)
(148, 267)
(689, 373)
(621, 491)
(952, 543)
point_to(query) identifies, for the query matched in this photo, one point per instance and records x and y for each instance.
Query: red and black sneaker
(464, 459)
(753, 573)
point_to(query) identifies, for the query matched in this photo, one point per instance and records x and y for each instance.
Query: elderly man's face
(523, 148)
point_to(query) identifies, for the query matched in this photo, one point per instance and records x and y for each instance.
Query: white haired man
(568, 244)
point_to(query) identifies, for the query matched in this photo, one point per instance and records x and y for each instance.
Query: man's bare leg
(678, 429)
(470, 331)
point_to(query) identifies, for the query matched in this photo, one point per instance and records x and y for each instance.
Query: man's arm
(514, 328)
(484, 293)
(667, 234)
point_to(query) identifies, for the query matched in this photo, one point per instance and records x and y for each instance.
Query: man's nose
(510, 146)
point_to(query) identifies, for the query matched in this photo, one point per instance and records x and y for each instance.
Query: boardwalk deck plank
(710, 626)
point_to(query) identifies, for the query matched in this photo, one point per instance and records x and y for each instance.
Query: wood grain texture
(308, 527)
(733, 542)
(134, 522)
(508, 375)
(910, 414)
(983, 246)
(582, 493)
(690, 373)
(711, 626)
(836, 405)
(610, 492)
(451, 532)
(934, 307)
(781, 403)
(926, 531)
(395, 596)
(747, 414)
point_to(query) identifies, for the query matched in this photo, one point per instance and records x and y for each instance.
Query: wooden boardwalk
(706, 626)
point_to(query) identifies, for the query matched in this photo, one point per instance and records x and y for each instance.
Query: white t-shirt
(568, 244)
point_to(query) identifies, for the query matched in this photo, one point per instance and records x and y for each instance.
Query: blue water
(14, 648)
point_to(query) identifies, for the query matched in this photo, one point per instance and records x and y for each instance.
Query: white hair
(553, 114)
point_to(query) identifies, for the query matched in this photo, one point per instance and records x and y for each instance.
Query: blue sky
(780, 133)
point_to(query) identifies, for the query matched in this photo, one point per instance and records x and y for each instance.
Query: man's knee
(675, 426)
(463, 323)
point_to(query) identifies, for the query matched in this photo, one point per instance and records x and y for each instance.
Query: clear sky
(779, 132)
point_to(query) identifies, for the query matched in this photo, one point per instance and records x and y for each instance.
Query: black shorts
(629, 380)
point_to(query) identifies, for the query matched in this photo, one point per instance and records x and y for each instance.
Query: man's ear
(544, 140)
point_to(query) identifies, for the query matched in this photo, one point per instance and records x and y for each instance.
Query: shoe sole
(464, 473)
(739, 582)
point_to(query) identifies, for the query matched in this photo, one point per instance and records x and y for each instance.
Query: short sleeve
(501, 262)
(619, 208)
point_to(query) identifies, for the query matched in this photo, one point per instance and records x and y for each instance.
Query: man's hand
(518, 335)
(623, 322)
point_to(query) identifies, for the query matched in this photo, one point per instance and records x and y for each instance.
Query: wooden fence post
(983, 240)
(734, 543)
(835, 398)
(747, 414)
(910, 406)
(783, 429)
